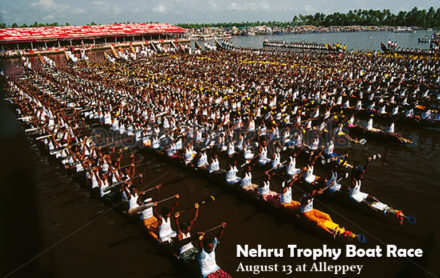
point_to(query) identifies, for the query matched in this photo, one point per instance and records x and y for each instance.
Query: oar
(32, 129)
(362, 141)
(150, 189)
(335, 158)
(74, 144)
(330, 185)
(116, 142)
(56, 150)
(43, 137)
(290, 179)
(116, 184)
(276, 167)
(141, 208)
(189, 239)
(205, 201)
(328, 160)
(161, 184)
(374, 157)
(253, 158)
(40, 128)
(64, 147)
(86, 126)
(136, 164)
(205, 148)
(213, 229)
(25, 118)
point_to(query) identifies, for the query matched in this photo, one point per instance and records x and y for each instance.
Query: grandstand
(70, 36)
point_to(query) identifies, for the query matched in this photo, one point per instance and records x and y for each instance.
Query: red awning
(17, 35)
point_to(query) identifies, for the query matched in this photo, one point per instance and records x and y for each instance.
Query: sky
(80, 12)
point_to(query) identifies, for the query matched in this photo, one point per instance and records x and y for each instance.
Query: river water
(59, 230)
(353, 40)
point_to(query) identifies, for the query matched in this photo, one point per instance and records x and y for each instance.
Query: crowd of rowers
(67, 138)
(212, 127)
(219, 109)
(132, 53)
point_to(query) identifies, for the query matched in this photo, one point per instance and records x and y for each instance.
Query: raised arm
(156, 213)
(176, 203)
(196, 214)
(120, 154)
(179, 231)
(366, 165)
(156, 196)
(201, 237)
(141, 179)
(132, 170)
(98, 179)
(220, 233)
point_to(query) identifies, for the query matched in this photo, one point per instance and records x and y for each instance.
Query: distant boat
(384, 47)
(415, 52)
(312, 46)
(404, 30)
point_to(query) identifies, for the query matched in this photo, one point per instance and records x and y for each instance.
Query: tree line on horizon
(415, 18)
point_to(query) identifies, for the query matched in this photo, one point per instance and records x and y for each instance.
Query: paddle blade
(411, 219)
(361, 238)
(207, 200)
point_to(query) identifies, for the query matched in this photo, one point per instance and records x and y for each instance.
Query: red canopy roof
(15, 35)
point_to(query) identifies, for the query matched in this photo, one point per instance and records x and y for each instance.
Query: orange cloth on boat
(332, 226)
(295, 205)
(147, 143)
(152, 225)
(250, 187)
(321, 219)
